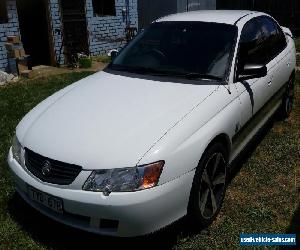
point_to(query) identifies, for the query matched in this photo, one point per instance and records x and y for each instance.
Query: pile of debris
(6, 78)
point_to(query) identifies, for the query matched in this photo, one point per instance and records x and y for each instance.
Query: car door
(276, 46)
(254, 48)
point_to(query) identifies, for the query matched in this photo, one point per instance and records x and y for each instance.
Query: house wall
(8, 29)
(154, 9)
(104, 32)
(12, 28)
(149, 11)
(56, 25)
(108, 32)
(190, 5)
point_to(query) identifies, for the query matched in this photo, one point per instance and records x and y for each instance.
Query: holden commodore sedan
(150, 139)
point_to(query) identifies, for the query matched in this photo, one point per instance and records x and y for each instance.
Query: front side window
(104, 7)
(251, 50)
(3, 12)
(181, 49)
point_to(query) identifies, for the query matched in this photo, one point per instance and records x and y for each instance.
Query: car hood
(108, 121)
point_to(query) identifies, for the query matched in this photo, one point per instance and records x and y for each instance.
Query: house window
(3, 12)
(104, 7)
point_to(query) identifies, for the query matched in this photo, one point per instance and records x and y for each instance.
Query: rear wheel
(209, 186)
(288, 100)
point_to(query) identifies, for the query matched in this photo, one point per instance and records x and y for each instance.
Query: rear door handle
(270, 83)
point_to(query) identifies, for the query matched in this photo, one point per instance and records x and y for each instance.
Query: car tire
(287, 100)
(209, 186)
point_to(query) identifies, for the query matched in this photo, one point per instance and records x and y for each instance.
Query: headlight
(124, 179)
(16, 149)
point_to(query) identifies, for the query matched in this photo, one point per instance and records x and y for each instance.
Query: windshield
(181, 49)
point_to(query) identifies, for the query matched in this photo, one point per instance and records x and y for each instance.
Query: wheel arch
(222, 138)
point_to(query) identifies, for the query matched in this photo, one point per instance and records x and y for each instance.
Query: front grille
(57, 173)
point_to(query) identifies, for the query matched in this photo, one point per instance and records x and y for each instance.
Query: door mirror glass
(252, 71)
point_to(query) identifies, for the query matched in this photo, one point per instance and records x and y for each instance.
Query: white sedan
(130, 150)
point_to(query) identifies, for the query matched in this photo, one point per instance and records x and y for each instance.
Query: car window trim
(235, 44)
(235, 77)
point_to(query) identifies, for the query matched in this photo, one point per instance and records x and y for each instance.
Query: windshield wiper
(194, 75)
(189, 75)
(139, 70)
(156, 72)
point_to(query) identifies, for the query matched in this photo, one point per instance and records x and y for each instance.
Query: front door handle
(270, 83)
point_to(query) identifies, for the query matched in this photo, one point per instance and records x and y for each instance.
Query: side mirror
(113, 53)
(252, 71)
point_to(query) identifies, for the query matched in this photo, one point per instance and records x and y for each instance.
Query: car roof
(214, 16)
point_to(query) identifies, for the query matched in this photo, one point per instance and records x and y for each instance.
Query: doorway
(75, 35)
(34, 26)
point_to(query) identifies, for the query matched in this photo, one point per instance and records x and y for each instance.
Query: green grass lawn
(262, 197)
(102, 58)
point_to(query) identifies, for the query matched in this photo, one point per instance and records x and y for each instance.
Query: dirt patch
(45, 71)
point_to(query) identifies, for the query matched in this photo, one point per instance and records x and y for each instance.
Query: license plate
(47, 200)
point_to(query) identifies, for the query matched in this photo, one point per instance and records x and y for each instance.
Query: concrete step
(27, 74)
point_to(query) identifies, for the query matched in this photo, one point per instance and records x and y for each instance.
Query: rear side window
(274, 39)
(261, 41)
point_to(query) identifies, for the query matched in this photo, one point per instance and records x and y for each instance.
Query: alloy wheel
(212, 185)
(289, 99)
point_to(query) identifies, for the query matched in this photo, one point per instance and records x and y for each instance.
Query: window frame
(279, 29)
(103, 14)
(4, 19)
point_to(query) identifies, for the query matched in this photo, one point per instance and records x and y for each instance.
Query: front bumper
(136, 213)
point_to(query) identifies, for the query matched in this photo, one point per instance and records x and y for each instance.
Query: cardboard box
(22, 52)
(13, 39)
(14, 53)
(22, 65)
(11, 46)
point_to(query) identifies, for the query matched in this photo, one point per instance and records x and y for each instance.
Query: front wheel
(287, 100)
(209, 186)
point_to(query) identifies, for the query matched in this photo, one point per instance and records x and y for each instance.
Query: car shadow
(243, 157)
(55, 235)
(250, 92)
(247, 152)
